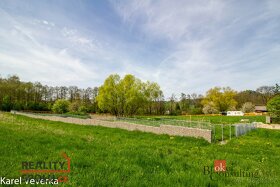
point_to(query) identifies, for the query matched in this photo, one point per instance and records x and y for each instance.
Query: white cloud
(45, 22)
(170, 19)
(185, 46)
(24, 55)
(210, 41)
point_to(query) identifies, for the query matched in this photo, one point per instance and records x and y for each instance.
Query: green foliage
(6, 103)
(195, 111)
(154, 97)
(74, 106)
(83, 109)
(273, 106)
(38, 97)
(222, 99)
(61, 106)
(107, 97)
(275, 120)
(124, 97)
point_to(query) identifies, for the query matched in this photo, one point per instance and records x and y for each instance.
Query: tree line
(19, 95)
(126, 96)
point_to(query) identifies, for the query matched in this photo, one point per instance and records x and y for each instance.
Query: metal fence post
(222, 132)
(230, 131)
(213, 126)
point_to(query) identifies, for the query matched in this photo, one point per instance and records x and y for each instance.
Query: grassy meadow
(113, 157)
(211, 119)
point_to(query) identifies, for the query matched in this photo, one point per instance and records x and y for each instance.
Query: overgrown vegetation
(113, 157)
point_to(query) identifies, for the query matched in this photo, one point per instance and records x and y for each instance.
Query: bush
(74, 106)
(273, 106)
(6, 103)
(83, 109)
(61, 106)
(275, 120)
(18, 106)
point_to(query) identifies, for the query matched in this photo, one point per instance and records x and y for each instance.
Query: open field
(211, 119)
(113, 157)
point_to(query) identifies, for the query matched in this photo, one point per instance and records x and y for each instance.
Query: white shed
(235, 113)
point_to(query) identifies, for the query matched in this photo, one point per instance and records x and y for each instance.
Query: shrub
(6, 103)
(61, 106)
(83, 109)
(74, 106)
(273, 106)
(275, 120)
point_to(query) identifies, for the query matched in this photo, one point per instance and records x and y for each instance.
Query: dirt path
(269, 126)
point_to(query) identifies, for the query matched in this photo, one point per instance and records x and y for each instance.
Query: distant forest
(127, 96)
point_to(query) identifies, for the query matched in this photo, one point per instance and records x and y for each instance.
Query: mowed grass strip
(114, 157)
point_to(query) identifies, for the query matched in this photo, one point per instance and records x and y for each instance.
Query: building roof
(260, 108)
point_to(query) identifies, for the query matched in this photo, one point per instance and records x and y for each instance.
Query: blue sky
(185, 46)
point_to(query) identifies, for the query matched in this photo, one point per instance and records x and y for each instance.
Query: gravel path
(269, 126)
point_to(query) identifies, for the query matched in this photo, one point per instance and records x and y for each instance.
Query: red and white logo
(220, 165)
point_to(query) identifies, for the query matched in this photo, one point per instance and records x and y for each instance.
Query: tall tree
(107, 98)
(125, 97)
(153, 96)
(267, 92)
(221, 98)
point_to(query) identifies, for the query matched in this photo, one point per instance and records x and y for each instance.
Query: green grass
(211, 119)
(80, 116)
(114, 157)
(166, 121)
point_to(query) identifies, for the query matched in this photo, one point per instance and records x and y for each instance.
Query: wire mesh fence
(220, 132)
(163, 121)
(241, 129)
